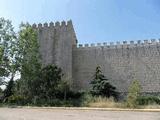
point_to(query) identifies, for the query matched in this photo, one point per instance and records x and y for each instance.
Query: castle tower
(56, 43)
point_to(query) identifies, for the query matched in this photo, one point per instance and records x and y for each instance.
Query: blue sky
(95, 21)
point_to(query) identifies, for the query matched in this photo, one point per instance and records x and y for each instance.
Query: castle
(121, 63)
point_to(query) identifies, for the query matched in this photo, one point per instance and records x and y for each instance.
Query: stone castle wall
(120, 63)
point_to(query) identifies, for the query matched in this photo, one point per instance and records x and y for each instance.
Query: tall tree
(1, 91)
(9, 90)
(101, 85)
(8, 50)
(28, 59)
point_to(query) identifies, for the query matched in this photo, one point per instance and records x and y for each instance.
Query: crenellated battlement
(121, 44)
(51, 24)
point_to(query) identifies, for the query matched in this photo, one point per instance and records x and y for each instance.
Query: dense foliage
(101, 85)
(7, 51)
(28, 59)
(46, 86)
(148, 100)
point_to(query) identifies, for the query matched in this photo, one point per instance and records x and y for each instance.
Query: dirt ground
(60, 114)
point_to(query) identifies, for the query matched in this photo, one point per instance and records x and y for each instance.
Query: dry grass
(101, 102)
(153, 106)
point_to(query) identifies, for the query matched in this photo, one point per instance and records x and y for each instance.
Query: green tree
(28, 59)
(64, 88)
(133, 94)
(50, 76)
(101, 85)
(9, 90)
(8, 50)
(1, 92)
(46, 88)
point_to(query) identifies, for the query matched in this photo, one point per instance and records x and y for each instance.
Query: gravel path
(60, 114)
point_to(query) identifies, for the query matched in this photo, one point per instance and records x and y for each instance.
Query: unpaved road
(60, 114)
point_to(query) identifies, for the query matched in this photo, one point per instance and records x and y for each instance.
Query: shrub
(148, 100)
(86, 99)
(17, 99)
(133, 94)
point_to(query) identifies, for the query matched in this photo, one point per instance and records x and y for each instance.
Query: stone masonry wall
(56, 41)
(120, 64)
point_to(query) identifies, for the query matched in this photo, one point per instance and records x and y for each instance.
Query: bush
(72, 99)
(148, 100)
(133, 94)
(86, 99)
(18, 100)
